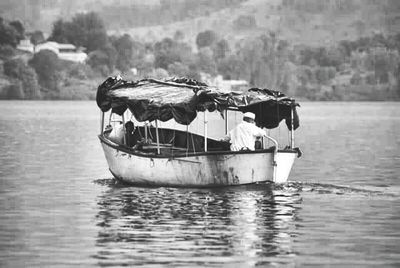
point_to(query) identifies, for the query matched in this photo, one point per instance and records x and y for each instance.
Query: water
(60, 207)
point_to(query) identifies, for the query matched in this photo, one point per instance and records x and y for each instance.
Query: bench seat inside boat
(176, 141)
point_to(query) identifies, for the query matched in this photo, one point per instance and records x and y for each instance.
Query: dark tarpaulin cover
(181, 98)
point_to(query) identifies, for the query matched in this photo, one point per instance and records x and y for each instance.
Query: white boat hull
(211, 169)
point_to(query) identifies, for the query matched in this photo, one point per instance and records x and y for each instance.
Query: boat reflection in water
(244, 225)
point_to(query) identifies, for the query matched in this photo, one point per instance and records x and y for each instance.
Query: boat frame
(206, 162)
(157, 167)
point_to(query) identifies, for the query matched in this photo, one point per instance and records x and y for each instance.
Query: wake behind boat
(151, 155)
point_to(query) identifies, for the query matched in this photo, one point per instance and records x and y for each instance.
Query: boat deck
(170, 141)
(175, 143)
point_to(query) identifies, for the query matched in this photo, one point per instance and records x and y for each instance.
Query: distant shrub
(15, 91)
(371, 79)
(6, 52)
(48, 67)
(159, 73)
(206, 38)
(85, 29)
(178, 69)
(205, 61)
(245, 22)
(221, 49)
(37, 37)
(103, 60)
(322, 75)
(75, 92)
(168, 51)
(79, 71)
(356, 79)
(125, 52)
(18, 69)
(11, 32)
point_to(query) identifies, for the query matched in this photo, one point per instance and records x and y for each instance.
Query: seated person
(130, 139)
(107, 130)
(244, 135)
(117, 134)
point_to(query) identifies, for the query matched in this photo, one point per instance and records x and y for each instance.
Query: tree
(140, 55)
(168, 51)
(89, 30)
(79, 71)
(178, 69)
(382, 62)
(6, 52)
(85, 30)
(124, 48)
(287, 79)
(305, 76)
(360, 27)
(47, 67)
(244, 22)
(18, 69)
(322, 74)
(356, 79)
(397, 74)
(206, 39)
(165, 53)
(179, 36)
(103, 60)
(221, 49)
(15, 91)
(37, 37)
(205, 61)
(19, 27)
(231, 67)
(9, 34)
(60, 32)
(252, 54)
(159, 73)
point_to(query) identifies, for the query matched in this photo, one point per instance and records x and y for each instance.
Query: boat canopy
(182, 98)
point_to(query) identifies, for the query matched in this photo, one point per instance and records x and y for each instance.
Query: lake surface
(60, 207)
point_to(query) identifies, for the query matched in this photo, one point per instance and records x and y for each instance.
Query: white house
(25, 45)
(67, 52)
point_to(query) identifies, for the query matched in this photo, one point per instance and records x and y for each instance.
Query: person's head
(129, 126)
(108, 129)
(249, 117)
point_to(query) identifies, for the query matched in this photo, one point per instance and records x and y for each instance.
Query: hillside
(308, 22)
(312, 49)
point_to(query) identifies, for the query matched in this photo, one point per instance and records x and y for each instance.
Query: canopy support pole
(145, 132)
(123, 127)
(226, 122)
(292, 126)
(158, 139)
(205, 131)
(101, 122)
(109, 119)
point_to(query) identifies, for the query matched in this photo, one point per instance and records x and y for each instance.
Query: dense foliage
(19, 70)
(86, 30)
(167, 12)
(11, 32)
(367, 68)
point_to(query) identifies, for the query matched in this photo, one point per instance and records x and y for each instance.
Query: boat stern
(283, 165)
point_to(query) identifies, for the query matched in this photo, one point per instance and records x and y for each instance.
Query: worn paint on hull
(199, 170)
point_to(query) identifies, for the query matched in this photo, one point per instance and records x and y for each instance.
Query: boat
(165, 156)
